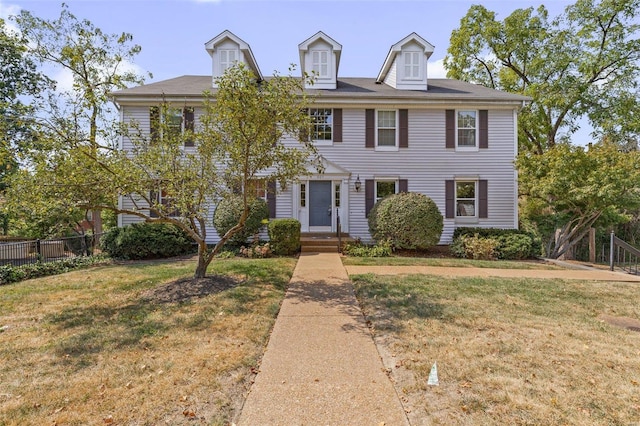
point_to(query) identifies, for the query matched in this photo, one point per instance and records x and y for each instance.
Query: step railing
(623, 255)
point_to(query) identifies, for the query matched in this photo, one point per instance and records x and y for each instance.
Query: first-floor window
(303, 195)
(165, 202)
(384, 188)
(466, 198)
(259, 188)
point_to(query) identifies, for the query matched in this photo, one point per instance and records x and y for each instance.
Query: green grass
(509, 351)
(445, 262)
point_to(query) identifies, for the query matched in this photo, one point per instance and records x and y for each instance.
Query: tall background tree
(237, 143)
(583, 64)
(80, 118)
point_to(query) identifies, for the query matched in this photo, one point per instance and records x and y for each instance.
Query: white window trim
(476, 147)
(323, 142)
(395, 147)
(405, 54)
(476, 201)
(395, 180)
(320, 63)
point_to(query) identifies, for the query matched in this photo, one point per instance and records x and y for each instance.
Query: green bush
(11, 274)
(228, 213)
(146, 241)
(357, 249)
(407, 220)
(511, 243)
(475, 247)
(284, 236)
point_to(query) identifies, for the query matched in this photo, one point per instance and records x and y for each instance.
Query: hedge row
(146, 241)
(11, 274)
(494, 243)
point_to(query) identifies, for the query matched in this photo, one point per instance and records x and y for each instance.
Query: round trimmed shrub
(407, 220)
(146, 241)
(284, 236)
(227, 215)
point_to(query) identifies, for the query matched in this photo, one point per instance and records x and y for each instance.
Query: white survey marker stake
(433, 376)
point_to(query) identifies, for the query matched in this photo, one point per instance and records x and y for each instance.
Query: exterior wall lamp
(357, 184)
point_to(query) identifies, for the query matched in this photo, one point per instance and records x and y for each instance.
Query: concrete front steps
(325, 242)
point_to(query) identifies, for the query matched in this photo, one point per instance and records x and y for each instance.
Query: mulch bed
(188, 288)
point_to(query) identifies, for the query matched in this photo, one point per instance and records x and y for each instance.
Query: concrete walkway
(321, 366)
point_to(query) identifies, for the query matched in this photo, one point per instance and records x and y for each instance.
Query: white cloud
(436, 69)
(7, 10)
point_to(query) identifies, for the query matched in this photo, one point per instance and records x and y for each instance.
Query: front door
(320, 205)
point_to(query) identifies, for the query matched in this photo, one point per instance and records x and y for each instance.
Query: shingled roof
(192, 87)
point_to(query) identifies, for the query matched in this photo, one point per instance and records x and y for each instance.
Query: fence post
(611, 251)
(592, 245)
(38, 249)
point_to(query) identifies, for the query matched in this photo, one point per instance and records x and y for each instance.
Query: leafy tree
(99, 63)
(237, 142)
(572, 189)
(583, 63)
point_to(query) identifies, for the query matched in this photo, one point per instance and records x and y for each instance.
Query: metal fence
(19, 253)
(624, 256)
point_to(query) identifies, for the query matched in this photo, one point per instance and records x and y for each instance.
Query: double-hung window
(411, 65)
(320, 63)
(386, 129)
(177, 122)
(467, 129)
(384, 188)
(321, 124)
(466, 199)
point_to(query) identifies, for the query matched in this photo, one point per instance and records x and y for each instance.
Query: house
(399, 131)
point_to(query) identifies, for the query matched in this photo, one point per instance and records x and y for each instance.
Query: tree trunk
(205, 256)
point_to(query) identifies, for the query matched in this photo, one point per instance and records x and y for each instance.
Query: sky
(172, 33)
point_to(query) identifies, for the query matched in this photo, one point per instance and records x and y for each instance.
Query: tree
(584, 63)
(99, 64)
(237, 143)
(571, 188)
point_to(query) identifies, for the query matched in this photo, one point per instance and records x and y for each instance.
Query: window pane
(466, 190)
(384, 188)
(466, 137)
(386, 137)
(322, 123)
(466, 119)
(303, 195)
(174, 122)
(387, 119)
(466, 208)
(465, 198)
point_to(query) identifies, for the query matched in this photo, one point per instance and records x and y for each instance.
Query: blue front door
(320, 206)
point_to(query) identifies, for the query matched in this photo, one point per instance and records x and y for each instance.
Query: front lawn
(127, 344)
(446, 262)
(508, 351)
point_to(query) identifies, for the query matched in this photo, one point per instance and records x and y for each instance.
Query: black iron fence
(19, 253)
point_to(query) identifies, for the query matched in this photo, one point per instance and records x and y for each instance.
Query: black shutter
(188, 125)
(337, 125)
(370, 129)
(271, 198)
(483, 202)
(403, 185)
(404, 128)
(154, 124)
(484, 129)
(450, 128)
(449, 196)
(369, 196)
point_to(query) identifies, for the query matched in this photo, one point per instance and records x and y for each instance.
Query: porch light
(357, 185)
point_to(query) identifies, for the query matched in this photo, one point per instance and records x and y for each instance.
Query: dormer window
(228, 57)
(412, 65)
(320, 63)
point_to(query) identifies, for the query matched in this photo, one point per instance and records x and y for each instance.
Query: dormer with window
(405, 67)
(227, 49)
(320, 57)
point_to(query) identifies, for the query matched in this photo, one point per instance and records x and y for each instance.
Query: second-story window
(176, 121)
(386, 128)
(467, 128)
(320, 63)
(321, 124)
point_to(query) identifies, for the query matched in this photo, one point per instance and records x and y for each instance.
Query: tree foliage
(571, 188)
(237, 143)
(584, 63)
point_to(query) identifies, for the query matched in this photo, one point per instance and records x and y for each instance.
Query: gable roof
(304, 47)
(397, 48)
(244, 48)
